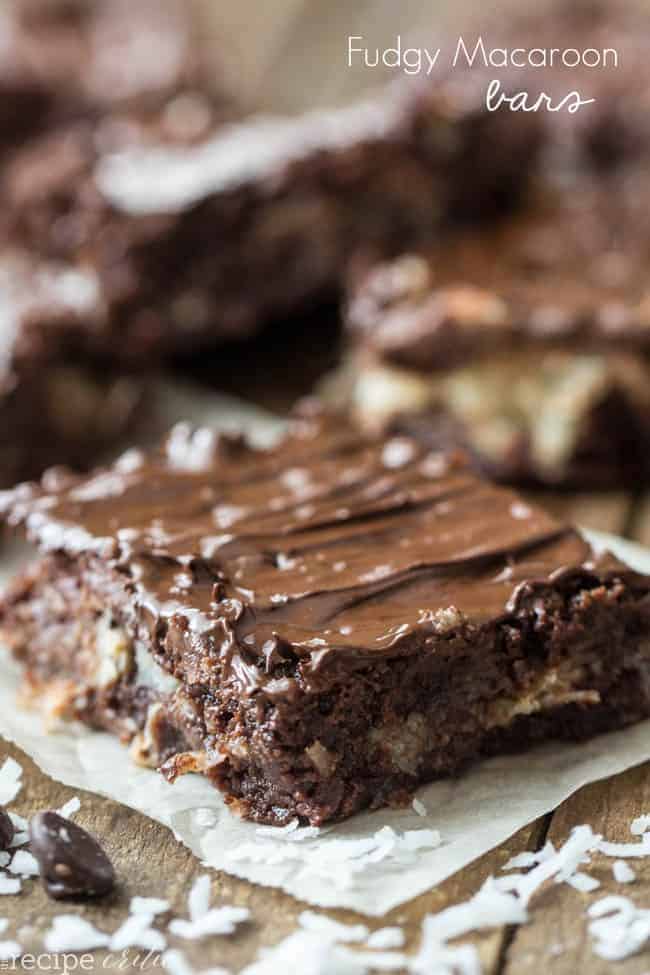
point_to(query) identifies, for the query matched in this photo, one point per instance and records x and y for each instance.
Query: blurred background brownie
(74, 76)
(70, 59)
(528, 343)
(56, 407)
(198, 244)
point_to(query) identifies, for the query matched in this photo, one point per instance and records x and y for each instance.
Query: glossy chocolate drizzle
(323, 543)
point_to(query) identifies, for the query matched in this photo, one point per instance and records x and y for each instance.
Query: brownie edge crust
(322, 626)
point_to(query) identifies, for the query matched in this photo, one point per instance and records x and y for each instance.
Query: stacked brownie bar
(528, 343)
(261, 219)
(73, 76)
(321, 626)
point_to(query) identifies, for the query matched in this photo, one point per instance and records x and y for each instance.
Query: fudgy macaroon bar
(321, 626)
(527, 343)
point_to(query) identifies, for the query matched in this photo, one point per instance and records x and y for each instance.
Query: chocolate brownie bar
(68, 59)
(210, 241)
(55, 405)
(528, 343)
(320, 626)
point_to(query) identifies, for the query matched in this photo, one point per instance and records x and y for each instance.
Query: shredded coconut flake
(419, 807)
(10, 950)
(198, 901)
(488, 908)
(528, 859)
(624, 850)
(148, 905)
(19, 839)
(72, 933)
(10, 781)
(24, 864)
(21, 827)
(71, 807)
(640, 825)
(583, 882)
(136, 932)
(314, 954)
(623, 872)
(218, 920)
(385, 938)
(190, 449)
(331, 929)
(561, 864)
(203, 919)
(9, 885)
(619, 928)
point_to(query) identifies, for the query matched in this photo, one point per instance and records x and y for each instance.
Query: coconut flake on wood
(618, 928)
(9, 885)
(72, 933)
(623, 872)
(10, 780)
(327, 927)
(24, 864)
(136, 932)
(69, 808)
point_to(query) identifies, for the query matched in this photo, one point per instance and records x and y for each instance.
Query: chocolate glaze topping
(323, 543)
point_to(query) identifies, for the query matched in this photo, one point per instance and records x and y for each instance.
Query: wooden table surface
(265, 48)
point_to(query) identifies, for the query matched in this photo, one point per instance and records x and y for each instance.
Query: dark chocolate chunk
(6, 830)
(72, 862)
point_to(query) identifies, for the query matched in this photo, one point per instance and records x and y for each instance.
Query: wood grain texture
(557, 935)
(150, 862)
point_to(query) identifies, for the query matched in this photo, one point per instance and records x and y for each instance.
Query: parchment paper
(474, 813)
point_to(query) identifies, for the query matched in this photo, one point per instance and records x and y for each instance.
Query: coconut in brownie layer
(572, 659)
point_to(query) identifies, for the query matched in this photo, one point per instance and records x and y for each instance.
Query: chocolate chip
(6, 830)
(72, 862)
